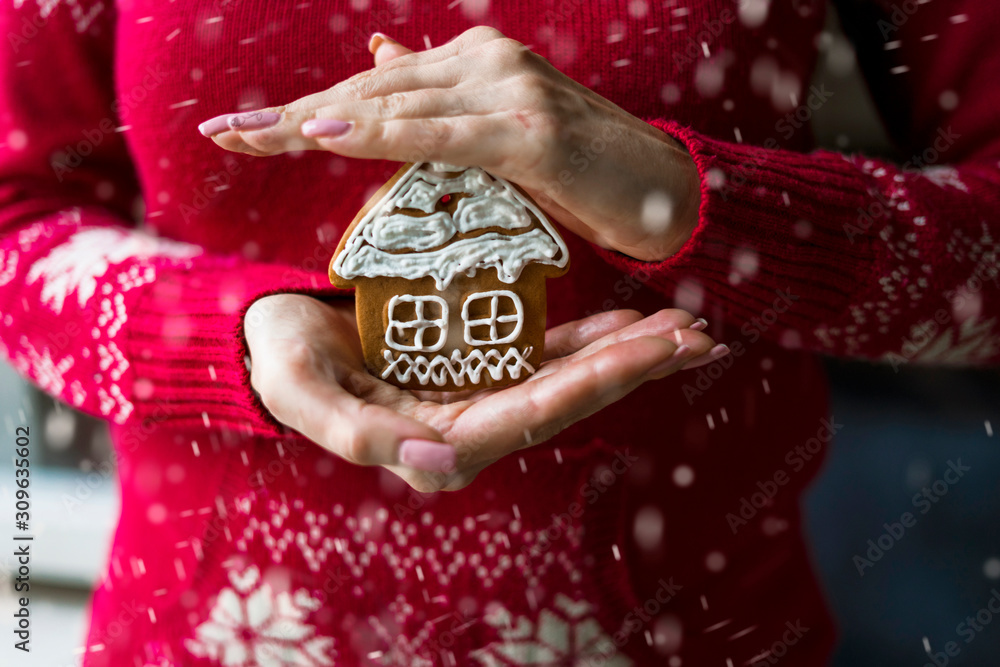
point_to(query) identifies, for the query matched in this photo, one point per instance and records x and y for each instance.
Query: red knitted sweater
(664, 530)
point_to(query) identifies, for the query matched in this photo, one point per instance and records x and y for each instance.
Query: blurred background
(901, 429)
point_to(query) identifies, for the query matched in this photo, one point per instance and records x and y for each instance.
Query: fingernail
(719, 351)
(216, 125)
(699, 324)
(376, 41)
(427, 455)
(325, 127)
(679, 356)
(254, 120)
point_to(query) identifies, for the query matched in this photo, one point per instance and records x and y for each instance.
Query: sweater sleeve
(857, 256)
(110, 318)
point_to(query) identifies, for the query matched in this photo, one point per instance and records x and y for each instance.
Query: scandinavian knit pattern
(130, 247)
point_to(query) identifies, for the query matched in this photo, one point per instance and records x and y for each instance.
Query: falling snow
(533, 597)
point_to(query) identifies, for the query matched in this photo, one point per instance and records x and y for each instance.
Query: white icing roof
(372, 249)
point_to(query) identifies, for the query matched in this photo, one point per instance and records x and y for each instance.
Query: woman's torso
(550, 555)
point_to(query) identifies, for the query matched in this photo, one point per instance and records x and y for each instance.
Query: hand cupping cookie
(449, 266)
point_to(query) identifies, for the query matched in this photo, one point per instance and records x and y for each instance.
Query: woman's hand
(308, 368)
(486, 100)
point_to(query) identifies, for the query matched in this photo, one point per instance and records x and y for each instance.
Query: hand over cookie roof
(394, 243)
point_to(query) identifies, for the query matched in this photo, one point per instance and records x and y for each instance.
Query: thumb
(385, 48)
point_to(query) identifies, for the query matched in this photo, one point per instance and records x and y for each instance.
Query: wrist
(678, 177)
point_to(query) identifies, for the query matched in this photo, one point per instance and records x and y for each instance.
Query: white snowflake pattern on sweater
(944, 176)
(359, 547)
(8, 265)
(92, 269)
(565, 634)
(48, 372)
(253, 626)
(972, 341)
(76, 265)
(418, 650)
(900, 224)
(83, 16)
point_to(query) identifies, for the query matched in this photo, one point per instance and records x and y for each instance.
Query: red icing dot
(445, 199)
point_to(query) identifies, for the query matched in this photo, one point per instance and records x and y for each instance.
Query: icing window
(417, 323)
(492, 318)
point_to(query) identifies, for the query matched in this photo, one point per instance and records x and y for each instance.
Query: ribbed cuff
(188, 352)
(770, 221)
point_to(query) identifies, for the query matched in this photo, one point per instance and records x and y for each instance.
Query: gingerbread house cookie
(449, 266)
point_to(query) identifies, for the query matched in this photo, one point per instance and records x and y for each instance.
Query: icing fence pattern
(440, 369)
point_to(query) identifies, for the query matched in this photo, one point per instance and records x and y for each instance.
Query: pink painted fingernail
(325, 127)
(679, 356)
(253, 120)
(216, 125)
(699, 324)
(427, 455)
(376, 41)
(719, 351)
